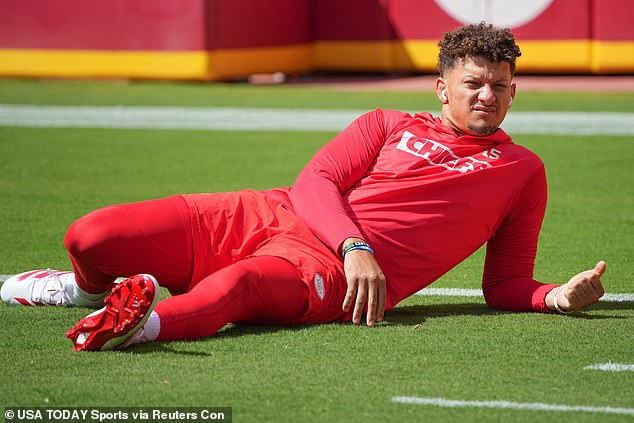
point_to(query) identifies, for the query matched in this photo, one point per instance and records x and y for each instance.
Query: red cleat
(128, 306)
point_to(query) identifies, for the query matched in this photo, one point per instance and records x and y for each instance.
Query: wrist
(553, 300)
(556, 301)
(347, 242)
(355, 244)
(549, 299)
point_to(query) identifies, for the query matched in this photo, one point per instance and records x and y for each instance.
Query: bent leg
(266, 290)
(146, 237)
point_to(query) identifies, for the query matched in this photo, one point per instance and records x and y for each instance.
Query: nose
(486, 95)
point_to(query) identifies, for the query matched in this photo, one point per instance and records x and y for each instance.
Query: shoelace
(53, 285)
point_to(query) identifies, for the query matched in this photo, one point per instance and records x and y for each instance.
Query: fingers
(579, 298)
(362, 293)
(599, 269)
(370, 293)
(356, 294)
(595, 287)
(366, 287)
(376, 301)
(585, 288)
(350, 295)
(373, 300)
(381, 303)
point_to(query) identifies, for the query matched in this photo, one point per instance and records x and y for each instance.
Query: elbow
(503, 297)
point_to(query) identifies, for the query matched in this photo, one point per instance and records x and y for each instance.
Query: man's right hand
(366, 285)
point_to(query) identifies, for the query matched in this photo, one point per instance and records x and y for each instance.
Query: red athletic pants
(155, 237)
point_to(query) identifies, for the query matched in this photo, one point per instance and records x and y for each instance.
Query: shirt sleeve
(317, 195)
(507, 281)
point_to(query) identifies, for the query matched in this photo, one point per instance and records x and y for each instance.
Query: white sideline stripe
(611, 367)
(461, 292)
(243, 119)
(451, 292)
(255, 119)
(618, 298)
(538, 406)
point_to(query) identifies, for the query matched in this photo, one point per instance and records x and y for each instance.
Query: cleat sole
(128, 307)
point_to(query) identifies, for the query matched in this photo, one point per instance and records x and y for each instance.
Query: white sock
(151, 328)
(148, 333)
(81, 298)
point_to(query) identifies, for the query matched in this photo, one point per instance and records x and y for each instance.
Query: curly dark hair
(485, 40)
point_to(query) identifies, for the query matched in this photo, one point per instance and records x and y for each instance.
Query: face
(476, 94)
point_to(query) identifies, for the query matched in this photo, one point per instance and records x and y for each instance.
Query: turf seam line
(260, 119)
(534, 406)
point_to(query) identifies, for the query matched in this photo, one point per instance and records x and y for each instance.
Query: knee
(89, 232)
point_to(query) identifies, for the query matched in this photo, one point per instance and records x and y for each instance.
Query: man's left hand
(581, 290)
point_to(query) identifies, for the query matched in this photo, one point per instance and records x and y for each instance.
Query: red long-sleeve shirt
(425, 199)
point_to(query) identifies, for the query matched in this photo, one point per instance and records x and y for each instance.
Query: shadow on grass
(417, 313)
(409, 315)
(604, 305)
(402, 316)
(231, 331)
(609, 305)
(167, 347)
(243, 329)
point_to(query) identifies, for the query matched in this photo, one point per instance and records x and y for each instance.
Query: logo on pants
(318, 281)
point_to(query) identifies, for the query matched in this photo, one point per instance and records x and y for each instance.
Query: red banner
(229, 38)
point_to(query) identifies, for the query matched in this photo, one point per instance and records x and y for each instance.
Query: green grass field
(447, 347)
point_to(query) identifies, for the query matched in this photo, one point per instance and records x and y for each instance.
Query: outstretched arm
(508, 282)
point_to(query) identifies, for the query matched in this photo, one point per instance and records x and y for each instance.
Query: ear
(441, 90)
(513, 90)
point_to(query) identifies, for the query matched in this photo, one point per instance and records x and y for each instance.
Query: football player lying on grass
(387, 207)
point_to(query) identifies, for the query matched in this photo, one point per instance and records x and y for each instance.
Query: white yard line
(253, 119)
(618, 298)
(611, 367)
(451, 292)
(460, 292)
(236, 119)
(533, 406)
